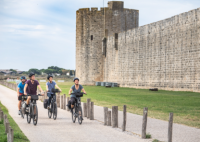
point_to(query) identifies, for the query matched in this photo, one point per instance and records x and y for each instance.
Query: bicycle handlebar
(79, 93)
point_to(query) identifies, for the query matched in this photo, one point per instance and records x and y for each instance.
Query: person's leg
(49, 101)
(19, 104)
(19, 107)
(28, 99)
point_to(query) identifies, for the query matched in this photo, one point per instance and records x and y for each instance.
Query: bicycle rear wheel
(54, 111)
(79, 114)
(50, 111)
(35, 114)
(74, 114)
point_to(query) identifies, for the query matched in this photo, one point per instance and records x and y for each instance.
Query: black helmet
(49, 76)
(76, 79)
(23, 77)
(31, 74)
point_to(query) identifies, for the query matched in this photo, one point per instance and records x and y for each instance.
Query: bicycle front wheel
(28, 116)
(80, 115)
(35, 114)
(73, 114)
(55, 111)
(50, 111)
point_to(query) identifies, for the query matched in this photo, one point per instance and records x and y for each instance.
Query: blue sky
(41, 33)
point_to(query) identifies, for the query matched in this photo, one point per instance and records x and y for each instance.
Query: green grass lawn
(18, 134)
(184, 105)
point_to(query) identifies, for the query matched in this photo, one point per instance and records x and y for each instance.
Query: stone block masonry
(164, 54)
(91, 27)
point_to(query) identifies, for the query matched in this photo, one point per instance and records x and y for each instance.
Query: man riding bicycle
(77, 88)
(49, 86)
(20, 91)
(31, 87)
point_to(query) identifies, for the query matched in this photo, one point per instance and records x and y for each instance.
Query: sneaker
(27, 105)
(19, 112)
(35, 119)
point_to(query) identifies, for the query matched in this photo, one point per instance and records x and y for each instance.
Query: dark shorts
(72, 100)
(20, 94)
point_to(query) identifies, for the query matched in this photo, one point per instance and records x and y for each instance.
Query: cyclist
(49, 86)
(20, 91)
(76, 88)
(17, 81)
(31, 87)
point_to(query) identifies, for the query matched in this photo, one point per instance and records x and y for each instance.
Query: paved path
(62, 129)
(157, 128)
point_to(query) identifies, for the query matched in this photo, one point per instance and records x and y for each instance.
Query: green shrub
(155, 140)
(148, 136)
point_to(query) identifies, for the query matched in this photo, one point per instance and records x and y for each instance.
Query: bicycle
(32, 110)
(77, 110)
(53, 107)
(23, 98)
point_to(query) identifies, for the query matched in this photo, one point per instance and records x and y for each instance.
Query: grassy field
(18, 134)
(184, 105)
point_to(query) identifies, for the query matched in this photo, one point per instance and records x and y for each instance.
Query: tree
(36, 71)
(49, 71)
(64, 72)
(55, 69)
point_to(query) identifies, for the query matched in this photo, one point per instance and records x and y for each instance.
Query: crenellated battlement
(113, 6)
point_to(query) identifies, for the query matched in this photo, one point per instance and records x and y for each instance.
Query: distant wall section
(164, 54)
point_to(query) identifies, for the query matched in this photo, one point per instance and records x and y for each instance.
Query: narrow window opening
(116, 41)
(91, 37)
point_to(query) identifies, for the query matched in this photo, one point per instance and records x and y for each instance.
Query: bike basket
(54, 90)
(22, 97)
(79, 94)
(34, 97)
(45, 103)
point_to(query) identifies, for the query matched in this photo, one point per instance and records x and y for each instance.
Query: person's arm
(70, 91)
(18, 91)
(41, 90)
(83, 90)
(58, 88)
(26, 85)
(47, 88)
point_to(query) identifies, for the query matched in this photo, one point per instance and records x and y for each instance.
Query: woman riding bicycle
(49, 86)
(31, 87)
(77, 88)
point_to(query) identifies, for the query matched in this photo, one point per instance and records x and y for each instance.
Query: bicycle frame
(33, 110)
(32, 104)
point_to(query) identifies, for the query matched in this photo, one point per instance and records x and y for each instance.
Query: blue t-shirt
(51, 85)
(21, 87)
(76, 91)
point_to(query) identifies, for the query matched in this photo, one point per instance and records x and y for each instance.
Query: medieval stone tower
(93, 27)
(163, 54)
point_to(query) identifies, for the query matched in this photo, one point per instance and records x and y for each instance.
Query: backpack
(45, 103)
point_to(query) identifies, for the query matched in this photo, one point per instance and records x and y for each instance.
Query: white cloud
(39, 27)
(46, 28)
